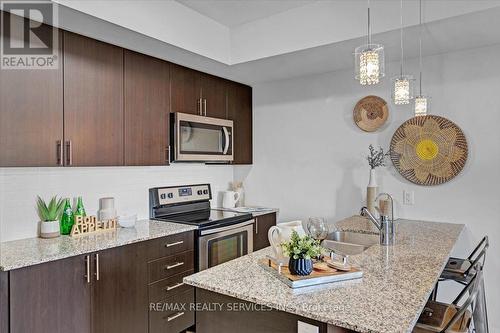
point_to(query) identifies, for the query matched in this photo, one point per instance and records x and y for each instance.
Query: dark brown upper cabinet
(239, 108)
(147, 107)
(185, 90)
(93, 102)
(197, 93)
(213, 94)
(31, 116)
(57, 295)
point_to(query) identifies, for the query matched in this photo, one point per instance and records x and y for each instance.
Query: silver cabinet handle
(174, 286)
(59, 153)
(174, 244)
(200, 108)
(97, 276)
(87, 268)
(177, 315)
(174, 265)
(205, 107)
(167, 154)
(69, 153)
(256, 226)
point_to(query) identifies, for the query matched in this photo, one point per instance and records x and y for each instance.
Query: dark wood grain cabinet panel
(185, 90)
(264, 321)
(120, 290)
(4, 302)
(93, 102)
(261, 228)
(239, 102)
(51, 298)
(213, 91)
(31, 115)
(147, 104)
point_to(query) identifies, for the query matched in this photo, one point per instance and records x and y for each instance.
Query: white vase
(49, 229)
(372, 192)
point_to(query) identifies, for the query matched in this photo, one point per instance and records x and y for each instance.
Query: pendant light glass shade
(369, 60)
(422, 104)
(369, 63)
(402, 89)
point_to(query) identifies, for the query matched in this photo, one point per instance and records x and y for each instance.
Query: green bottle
(67, 218)
(80, 211)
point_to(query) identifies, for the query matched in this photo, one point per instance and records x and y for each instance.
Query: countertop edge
(36, 261)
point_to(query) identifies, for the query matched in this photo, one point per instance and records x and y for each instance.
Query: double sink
(349, 243)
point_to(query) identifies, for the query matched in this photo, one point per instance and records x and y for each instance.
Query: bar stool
(440, 317)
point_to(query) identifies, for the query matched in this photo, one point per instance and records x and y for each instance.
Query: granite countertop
(389, 298)
(32, 251)
(260, 212)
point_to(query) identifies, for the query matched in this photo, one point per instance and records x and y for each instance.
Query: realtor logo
(26, 42)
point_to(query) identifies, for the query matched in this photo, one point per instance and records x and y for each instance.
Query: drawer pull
(174, 265)
(174, 244)
(174, 286)
(175, 316)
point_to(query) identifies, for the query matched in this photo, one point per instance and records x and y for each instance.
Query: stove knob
(200, 192)
(163, 196)
(170, 195)
(205, 191)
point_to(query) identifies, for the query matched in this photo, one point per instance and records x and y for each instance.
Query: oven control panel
(178, 194)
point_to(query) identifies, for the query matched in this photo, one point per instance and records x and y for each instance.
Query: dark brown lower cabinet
(261, 319)
(51, 298)
(120, 291)
(262, 225)
(109, 291)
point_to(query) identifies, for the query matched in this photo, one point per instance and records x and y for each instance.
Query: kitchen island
(395, 287)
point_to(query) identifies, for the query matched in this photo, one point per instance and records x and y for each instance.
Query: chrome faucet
(384, 224)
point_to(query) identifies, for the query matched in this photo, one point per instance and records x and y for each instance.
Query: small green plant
(52, 211)
(304, 247)
(377, 157)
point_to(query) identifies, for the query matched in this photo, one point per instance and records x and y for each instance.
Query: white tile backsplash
(129, 185)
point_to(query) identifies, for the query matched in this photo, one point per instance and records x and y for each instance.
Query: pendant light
(402, 85)
(369, 60)
(421, 101)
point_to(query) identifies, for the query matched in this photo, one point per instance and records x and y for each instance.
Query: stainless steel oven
(218, 245)
(201, 139)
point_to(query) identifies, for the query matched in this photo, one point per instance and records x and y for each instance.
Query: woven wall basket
(370, 113)
(429, 150)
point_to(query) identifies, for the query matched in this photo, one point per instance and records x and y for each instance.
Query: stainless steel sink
(347, 242)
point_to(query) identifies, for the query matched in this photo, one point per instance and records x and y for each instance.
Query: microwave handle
(226, 136)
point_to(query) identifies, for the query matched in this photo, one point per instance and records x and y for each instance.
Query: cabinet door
(213, 90)
(93, 102)
(185, 90)
(31, 115)
(52, 297)
(120, 291)
(239, 101)
(147, 98)
(262, 225)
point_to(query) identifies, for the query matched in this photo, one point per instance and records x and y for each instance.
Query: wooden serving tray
(321, 274)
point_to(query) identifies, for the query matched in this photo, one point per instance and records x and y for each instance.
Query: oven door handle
(226, 138)
(229, 227)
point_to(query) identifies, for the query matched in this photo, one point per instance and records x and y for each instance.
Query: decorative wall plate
(429, 150)
(370, 113)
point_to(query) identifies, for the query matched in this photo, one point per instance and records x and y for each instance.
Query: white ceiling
(232, 13)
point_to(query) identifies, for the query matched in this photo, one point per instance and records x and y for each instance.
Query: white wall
(129, 185)
(309, 157)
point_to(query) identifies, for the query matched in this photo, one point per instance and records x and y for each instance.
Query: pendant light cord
(420, 46)
(401, 37)
(369, 25)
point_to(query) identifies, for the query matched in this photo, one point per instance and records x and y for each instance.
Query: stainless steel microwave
(201, 139)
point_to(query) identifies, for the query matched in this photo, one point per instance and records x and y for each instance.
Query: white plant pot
(50, 229)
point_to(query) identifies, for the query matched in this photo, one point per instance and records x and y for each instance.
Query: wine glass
(317, 228)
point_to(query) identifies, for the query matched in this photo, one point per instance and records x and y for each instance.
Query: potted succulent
(301, 250)
(49, 216)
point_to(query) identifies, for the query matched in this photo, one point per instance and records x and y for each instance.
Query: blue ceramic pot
(300, 266)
